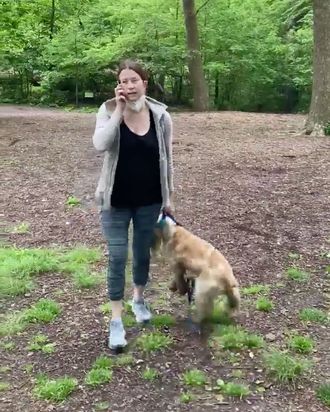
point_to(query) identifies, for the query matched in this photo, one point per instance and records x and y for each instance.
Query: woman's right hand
(120, 97)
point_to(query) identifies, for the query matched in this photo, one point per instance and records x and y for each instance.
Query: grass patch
(105, 308)
(256, 289)
(313, 315)
(153, 341)
(294, 273)
(44, 311)
(150, 374)
(323, 393)
(264, 304)
(101, 371)
(21, 229)
(72, 201)
(233, 389)
(56, 390)
(194, 377)
(4, 369)
(20, 266)
(4, 386)
(186, 397)
(283, 367)
(163, 320)
(235, 338)
(123, 360)
(86, 280)
(41, 343)
(301, 344)
(8, 346)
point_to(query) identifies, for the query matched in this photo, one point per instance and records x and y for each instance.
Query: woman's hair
(132, 65)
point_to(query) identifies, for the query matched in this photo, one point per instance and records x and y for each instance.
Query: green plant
(13, 323)
(296, 274)
(323, 393)
(163, 320)
(194, 377)
(153, 341)
(301, 344)
(233, 389)
(9, 346)
(313, 315)
(72, 201)
(283, 367)
(327, 129)
(235, 338)
(101, 371)
(4, 386)
(149, 374)
(41, 343)
(124, 360)
(98, 376)
(56, 390)
(186, 397)
(21, 228)
(255, 290)
(85, 280)
(4, 369)
(264, 304)
(44, 311)
(105, 308)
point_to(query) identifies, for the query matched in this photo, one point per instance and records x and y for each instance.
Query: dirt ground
(249, 183)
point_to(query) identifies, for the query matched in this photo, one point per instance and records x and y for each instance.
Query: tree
(199, 86)
(319, 114)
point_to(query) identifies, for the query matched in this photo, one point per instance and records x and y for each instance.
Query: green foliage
(101, 371)
(56, 390)
(264, 304)
(256, 55)
(313, 315)
(153, 341)
(296, 274)
(150, 374)
(233, 389)
(235, 338)
(194, 377)
(323, 393)
(19, 266)
(283, 367)
(255, 290)
(301, 344)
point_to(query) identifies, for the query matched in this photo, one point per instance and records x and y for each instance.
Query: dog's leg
(179, 282)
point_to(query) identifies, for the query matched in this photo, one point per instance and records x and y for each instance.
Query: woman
(136, 182)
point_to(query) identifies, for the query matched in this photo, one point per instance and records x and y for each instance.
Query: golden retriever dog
(191, 257)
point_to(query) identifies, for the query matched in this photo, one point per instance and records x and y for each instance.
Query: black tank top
(137, 178)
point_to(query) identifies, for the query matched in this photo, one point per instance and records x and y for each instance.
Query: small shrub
(284, 367)
(153, 341)
(294, 273)
(44, 311)
(72, 201)
(194, 377)
(264, 304)
(56, 390)
(301, 344)
(233, 389)
(313, 315)
(150, 374)
(323, 393)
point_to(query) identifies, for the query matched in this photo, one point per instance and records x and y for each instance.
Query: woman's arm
(106, 128)
(168, 142)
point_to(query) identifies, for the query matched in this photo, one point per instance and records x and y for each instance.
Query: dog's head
(163, 231)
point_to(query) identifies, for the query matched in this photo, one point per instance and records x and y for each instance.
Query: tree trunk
(52, 20)
(199, 86)
(319, 113)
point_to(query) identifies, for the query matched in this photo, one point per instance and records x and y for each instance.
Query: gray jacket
(106, 139)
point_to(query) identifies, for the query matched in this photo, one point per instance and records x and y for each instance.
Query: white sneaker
(117, 335)
(141, 311)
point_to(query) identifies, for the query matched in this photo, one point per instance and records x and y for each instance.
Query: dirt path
(246, 182)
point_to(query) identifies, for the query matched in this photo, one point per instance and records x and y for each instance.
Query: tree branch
(203, 5)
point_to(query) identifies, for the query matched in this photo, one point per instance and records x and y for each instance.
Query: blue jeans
(115, 223)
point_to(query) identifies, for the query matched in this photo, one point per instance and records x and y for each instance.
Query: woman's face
(133, 85)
